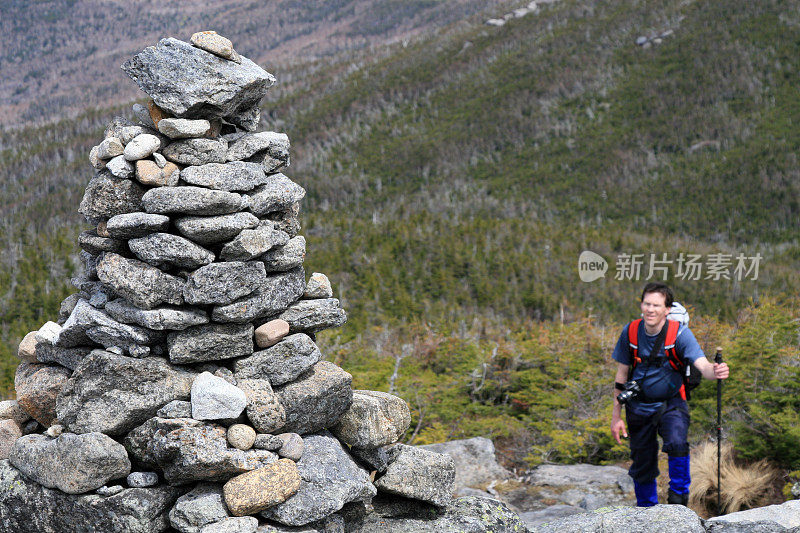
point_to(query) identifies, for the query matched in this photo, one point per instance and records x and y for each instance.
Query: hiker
(653, 389)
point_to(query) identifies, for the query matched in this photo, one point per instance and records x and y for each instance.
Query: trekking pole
(718, 360)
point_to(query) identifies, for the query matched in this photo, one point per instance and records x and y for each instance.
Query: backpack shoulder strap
(633, 345)
(675, 359)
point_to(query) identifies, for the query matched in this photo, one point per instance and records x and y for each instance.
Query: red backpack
(691, 377)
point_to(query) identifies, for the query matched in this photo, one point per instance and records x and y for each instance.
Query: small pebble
(265, 441)
(241, 436)
(292, 446)
(142, 479)
(109, 491)
(54, 431)
(271, 333)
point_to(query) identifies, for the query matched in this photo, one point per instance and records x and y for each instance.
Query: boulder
(213, 398)
(282, 362)
(786, 515)
(191, 83)
(233, 176)
(314, 315)
(160, 318)
(273, 297)
(317, 399)
(87, 324)
(131, 511)
(201, 506)
(657, 519)
(10, 431)
(167, 249)
(71, 463)
(287, 257)
(464, 515)
(209, 230)
(374, 419)
(264, 411)
(224, 283)
(277, 194)
(476, 464)
(199, 151)
(133, 225)
(254, 491)
(191, 201)
(37, 388)
(113, 394)
(210, 342)
(141, 284)
(330, 478)
(189, 450)
(107, 196)
(251, 243)
(419, 474)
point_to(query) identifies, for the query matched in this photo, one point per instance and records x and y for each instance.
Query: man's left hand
(721, 370)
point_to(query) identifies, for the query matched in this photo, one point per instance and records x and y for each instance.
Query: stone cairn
(181, 388)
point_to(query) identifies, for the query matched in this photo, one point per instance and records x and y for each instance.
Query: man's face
(654, 311)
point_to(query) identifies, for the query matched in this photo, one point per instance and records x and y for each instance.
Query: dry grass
(743, 486)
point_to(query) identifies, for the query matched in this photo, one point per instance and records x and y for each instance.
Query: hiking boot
(679, 499)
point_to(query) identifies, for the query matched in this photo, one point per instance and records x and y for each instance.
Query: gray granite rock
(37, 387)
(191, 83)
(786, 515)
(282, 362)
(548, 514)
(10, 431)
(68, 304)
(213, 398)
(292, 447)
(330, 478)
(287, 257)
(124, 130)
(11, 410)
(224, 283)
(265, 441)
(374, 419)
(318, 286)
(113, 394)
(210, 342)
(476, 464)
(419, 474)
(317, 399)
(199, 507)
(264, 411)
(464, 515)
(233, 176)
(165, 248)
(277, 194)
(95, 245)
(314, 315)
(131, 511)
(377, 459)
(142, 479)
(106, 196)
(132, 225)
(87, 324)
(189, 450)
(160, 318)
(272, 297)
(198, 151)
(238, 524)
(251, 243)
(142, 114)
(176, 409)
(71, 463)
(248, 118)
(182, 128)
(66, 357)
(191, 201)
(141, 284)
(109, 148)
(657, 519)
(209, 230)
(276, 144)
(141, 147)
(121, 168)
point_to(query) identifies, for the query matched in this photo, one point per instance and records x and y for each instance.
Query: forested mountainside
(454, 179)
(61, 56)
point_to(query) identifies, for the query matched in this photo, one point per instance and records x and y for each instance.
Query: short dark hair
(661, 288)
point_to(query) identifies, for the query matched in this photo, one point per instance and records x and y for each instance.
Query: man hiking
(652, 353)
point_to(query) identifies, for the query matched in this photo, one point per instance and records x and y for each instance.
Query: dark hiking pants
(672, 426)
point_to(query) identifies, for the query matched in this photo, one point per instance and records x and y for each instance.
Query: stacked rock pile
(181, 388)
